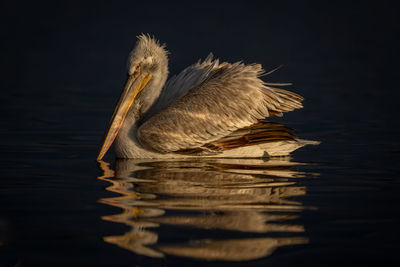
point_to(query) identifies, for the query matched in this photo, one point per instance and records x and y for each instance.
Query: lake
(327, 205)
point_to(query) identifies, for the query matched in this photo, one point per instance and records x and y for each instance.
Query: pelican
(210, 109)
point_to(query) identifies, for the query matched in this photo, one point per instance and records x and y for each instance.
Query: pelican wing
(227, 98)
(179, 84)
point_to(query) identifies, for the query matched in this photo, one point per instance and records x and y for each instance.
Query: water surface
(336, 204)
(233, 206)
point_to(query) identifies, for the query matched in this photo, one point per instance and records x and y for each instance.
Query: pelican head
(147, 73)
(148, 55)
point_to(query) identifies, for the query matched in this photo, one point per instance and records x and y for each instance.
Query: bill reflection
(243, 200)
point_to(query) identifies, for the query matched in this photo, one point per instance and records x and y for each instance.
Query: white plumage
(210, 109)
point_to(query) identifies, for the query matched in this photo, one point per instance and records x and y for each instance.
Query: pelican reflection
(240, 197)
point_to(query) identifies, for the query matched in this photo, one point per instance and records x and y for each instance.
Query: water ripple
(247, 202)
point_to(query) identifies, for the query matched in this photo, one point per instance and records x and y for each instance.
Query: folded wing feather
(227, 98)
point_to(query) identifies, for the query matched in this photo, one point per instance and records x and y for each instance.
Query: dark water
(332, 204)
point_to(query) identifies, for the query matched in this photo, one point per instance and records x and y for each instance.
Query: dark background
(63, 66)
(57, 53)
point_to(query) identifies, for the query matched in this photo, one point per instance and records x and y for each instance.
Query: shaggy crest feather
(148, 47)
